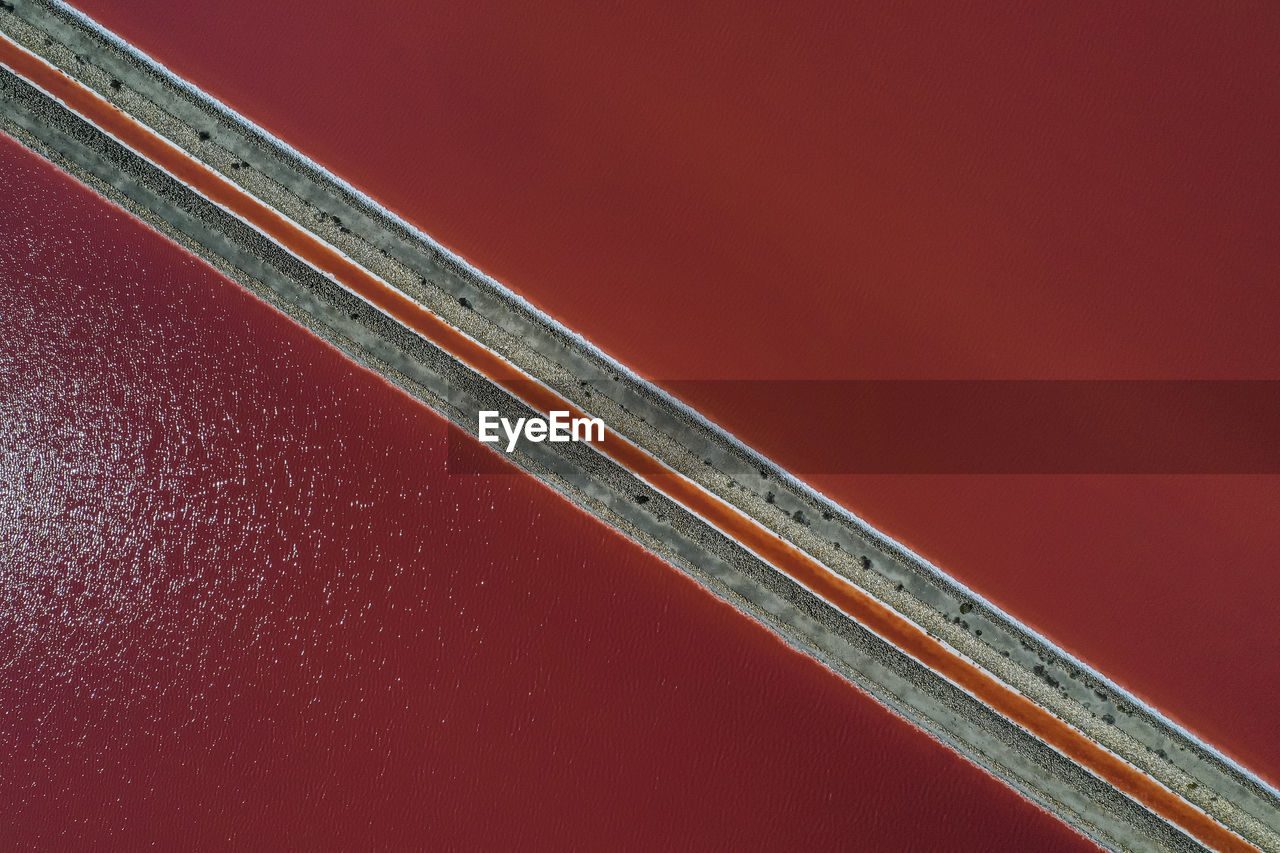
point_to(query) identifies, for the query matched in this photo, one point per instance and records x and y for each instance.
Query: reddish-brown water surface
(728, 191)
(852, 601)
(243, 603)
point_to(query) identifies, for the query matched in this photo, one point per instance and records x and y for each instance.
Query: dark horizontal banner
(984, 427)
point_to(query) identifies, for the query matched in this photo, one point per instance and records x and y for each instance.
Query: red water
(849, 599)
(828, 192)
(243, 603)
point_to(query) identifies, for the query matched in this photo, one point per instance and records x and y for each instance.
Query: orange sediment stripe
(782, 555)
